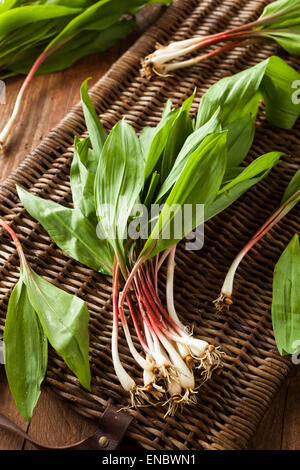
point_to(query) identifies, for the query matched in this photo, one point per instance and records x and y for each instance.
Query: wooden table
(49, 99)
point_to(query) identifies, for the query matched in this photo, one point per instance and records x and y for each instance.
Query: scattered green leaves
(27, 29)
(39, 311)
(239, 95)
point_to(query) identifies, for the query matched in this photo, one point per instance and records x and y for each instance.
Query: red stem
(271, 222)
(161, 308)
(225, 37)
(256, 23)
(15, 240)
(39, 61)
(136, 325)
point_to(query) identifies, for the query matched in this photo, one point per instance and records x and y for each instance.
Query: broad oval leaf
(64, 318)
(71, 231)
(119, 181)
(286, 299)
(26, 351)
(288, 40)
(239, 95)
(290, 10)
(190, 146)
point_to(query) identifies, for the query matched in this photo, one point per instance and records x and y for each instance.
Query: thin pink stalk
(160, 306)
(16, 242)
(155, 307)
(156, 269)
(224, 37)
(129, 281)
(256, 23)
(7, 129)
(267, 226)
(275, 218)
(136, 325)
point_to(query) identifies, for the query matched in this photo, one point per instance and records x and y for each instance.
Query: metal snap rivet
(103, 441)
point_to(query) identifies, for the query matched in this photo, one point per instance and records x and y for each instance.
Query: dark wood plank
(9, 441)
(55, 423)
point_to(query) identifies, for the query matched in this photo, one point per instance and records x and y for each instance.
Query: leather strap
(112, 428)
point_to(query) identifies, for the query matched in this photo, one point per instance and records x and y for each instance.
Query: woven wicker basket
(232, 403)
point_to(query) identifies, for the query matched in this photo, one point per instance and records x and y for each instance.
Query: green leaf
(276, 89)
(119, 181)
(146, 137)
(198, 183)
(149, 199)
(23, 16)
(167, 108)
(159, 141)
(260, 165)
(64, 318)
(181, 129)
(240, 138)
(83, 44)
(98, 16)
(71, 231)
(238, 96)
(291, 10)
(82, 182)
(96, 130)
(288, 40)
(26, 351)
(286, 299)
(242, 180)
(82, 21)
(191, 145)
(292, 188)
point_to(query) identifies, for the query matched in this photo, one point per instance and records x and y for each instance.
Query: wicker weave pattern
(232, 403)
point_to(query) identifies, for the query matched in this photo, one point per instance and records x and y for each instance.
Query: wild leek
(289, 200)
(279, 22)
